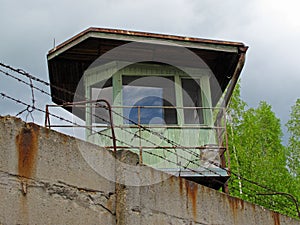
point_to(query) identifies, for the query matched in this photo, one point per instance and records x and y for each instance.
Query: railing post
(47, 118)
(140, 133)
(226, 139)
(111, 123)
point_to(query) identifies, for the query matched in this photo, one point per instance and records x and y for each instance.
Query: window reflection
(192, 98)
(151, 94)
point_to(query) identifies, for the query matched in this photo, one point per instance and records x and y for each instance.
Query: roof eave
(124, 35)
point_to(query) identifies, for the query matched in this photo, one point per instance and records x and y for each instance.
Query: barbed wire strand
(22, 72)
(66, 120)
(26, 83)
(156, 146)
(153, 154)
(30, 77)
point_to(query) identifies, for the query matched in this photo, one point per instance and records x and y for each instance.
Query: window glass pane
(192, 98)
(151, 94)
(101, 90)
(143, 96)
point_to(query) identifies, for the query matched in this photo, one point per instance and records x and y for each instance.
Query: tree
(258, 158)
(293, 126)
(293, 147)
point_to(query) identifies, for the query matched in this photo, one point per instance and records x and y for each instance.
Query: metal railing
(135, 127)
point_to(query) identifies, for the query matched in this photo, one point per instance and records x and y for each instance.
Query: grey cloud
(270, 28)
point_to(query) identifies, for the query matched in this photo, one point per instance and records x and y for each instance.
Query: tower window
(191, 94)
(149, 100)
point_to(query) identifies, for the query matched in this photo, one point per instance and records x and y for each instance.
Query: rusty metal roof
(68, 61)
(148, 35)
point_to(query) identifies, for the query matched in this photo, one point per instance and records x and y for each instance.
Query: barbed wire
(247, 191)
(28, 75)
(30, 108)
(170, 150)
(54, 115)
(123, 142)
(76, 124)
(281, 204)
(31, 77)
(252, 194)
(28, 84)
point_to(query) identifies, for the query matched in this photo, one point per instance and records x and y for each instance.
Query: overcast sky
(271, 29)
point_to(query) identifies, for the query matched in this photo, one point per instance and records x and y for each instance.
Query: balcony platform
(211, 177)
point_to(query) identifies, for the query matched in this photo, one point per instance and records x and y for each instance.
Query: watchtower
(166, 96)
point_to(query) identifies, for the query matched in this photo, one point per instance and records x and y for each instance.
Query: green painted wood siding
(188, 137)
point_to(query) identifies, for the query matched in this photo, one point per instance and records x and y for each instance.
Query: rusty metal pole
(111, 123)
(226, 140)
(225, 186)
(47, 118)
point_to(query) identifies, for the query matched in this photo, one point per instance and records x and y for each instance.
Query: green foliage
(257, 154)
(237, 106)
(293, 126)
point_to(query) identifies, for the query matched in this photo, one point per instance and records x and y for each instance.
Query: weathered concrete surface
(177, 201)
(44, 179)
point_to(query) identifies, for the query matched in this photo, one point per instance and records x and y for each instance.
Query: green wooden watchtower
(168, 96)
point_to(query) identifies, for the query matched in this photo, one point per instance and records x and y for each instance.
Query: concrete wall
(45, 178)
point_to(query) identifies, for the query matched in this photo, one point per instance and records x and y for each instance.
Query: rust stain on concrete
(24, 209)
(253, 207)
(235, 204)
(47, 131)
(27, 147)
(172, 182)
(276, 218)
(242, 204)
(65, 139)
(191, 191)
(180, 185)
